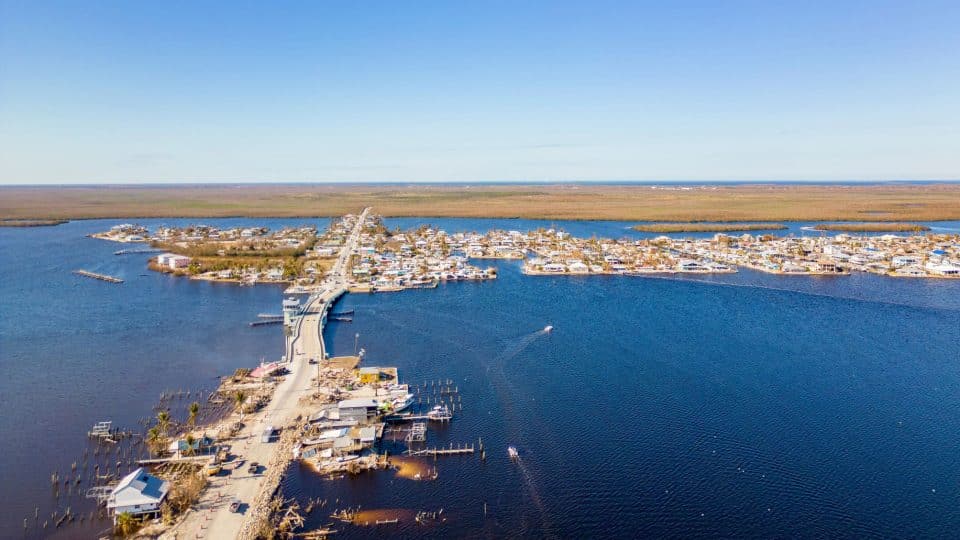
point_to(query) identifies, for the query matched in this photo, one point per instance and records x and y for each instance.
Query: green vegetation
(127, 524)
(708, 227)
(194, 411)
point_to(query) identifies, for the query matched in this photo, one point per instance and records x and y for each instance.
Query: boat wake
(508, 398)
(531, 487)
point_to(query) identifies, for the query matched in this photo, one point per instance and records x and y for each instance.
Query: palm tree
(155, 439)
(163, 421)
(190, 440)
(126, 523)
(239, 397)
(194, 410)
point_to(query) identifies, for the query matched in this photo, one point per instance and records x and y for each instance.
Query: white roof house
(138, 493)
(356, 403)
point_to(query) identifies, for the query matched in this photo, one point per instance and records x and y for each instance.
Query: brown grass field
(743, 202)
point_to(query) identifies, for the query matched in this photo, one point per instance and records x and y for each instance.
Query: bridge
(213, 518)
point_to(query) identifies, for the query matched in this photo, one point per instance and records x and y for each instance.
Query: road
(212, 517)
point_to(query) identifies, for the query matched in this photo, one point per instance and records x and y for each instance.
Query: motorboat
(512, 452)
(439, 412)
(548, 328)
(402, 402)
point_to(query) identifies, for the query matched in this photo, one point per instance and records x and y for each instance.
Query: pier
(451, 451)
(136, 251)
(266, 322)
(101, 277)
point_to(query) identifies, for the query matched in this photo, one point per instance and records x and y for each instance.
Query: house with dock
(139, 494)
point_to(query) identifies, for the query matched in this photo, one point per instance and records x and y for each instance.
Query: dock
(136, 251)
(101, 277)
(451, 451)
(266, 321)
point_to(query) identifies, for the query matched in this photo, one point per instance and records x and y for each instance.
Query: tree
(239, 397)
(163, 421)
(127, 524)
(155, 440)
(194, 410)
(190, 440)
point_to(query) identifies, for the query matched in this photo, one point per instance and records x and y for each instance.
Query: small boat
(548, 328)
(235, 505)
(512, 452)
(439, 412)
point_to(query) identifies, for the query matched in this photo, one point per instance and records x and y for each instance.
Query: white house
(179, 261)
(138, 493)
(943, 269)
(173, 261)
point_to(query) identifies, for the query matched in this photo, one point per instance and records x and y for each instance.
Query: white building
(138, 493)
(173, 261)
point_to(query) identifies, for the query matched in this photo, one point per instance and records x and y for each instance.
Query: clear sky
(165, 91)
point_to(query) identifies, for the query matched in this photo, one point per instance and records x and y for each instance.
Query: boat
(439, 412)
(512, 452)
(548, 328)
(402, 402)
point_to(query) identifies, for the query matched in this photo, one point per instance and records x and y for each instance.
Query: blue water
(624, 229)
(737, 405)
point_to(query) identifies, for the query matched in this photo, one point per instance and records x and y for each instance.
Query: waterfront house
(360, 409)
(910, 271)
(139, 494)
(943, 269)
(173, 261)
(200, 445)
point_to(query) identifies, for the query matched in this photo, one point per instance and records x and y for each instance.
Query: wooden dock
(451, 451)
(136, 251)
(101, 277)
(264, 322)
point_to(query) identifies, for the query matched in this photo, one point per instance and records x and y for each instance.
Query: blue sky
(319, 91)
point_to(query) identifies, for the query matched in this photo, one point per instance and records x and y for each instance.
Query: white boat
(548, 328)
(439, 412)
(402, 402)
(512, 452)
